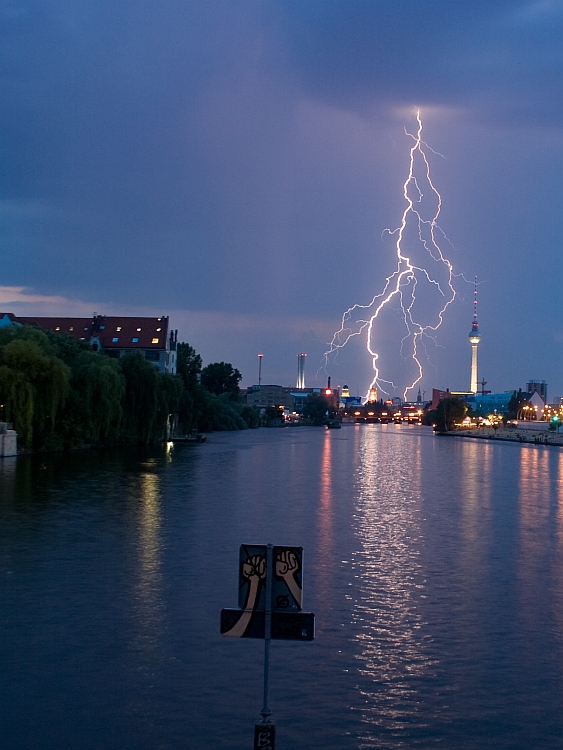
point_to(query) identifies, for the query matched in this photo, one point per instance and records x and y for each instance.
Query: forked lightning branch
(422, 270)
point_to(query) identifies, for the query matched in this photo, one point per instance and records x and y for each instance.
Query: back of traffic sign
(287, 579)
(270, 599)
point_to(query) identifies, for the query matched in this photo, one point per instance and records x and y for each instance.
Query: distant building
(346, 403)
(292, 399)
(438, 395)
(346, 400)
(332, 396)
(7, 319)
(536, 404)
(488, 403)
(114, 335)
(262, 396)
(539, 387)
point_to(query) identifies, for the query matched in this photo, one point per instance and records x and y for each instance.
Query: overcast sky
(234, 164)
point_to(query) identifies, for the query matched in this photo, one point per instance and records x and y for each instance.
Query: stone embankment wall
(527, 435)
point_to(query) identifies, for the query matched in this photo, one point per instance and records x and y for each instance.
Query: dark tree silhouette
(449, 411)
(315, 409)
(221, 377)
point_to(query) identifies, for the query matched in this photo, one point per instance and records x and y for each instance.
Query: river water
(434, 567)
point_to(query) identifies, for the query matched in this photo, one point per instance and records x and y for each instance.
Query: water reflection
(147, 576)
(325, 516)
(558, 556)
(475, 465)
(534, 516)
(535, 537)
(8, 476)
(390, 641)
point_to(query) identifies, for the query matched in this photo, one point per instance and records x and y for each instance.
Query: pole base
(264, 736)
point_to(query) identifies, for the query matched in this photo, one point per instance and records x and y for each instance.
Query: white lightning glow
(402, 284)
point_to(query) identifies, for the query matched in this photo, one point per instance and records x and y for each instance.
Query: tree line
(59, 394)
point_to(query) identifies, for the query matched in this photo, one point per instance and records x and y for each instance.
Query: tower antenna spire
(474, 338)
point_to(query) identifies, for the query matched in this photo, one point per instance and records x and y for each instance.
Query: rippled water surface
(434, 567)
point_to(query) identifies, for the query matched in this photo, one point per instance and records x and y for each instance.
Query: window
(71, 328)
(102, 328)
(58, 328)
(159, 329)
(138, 329)
(135, 341)
(118, 328)
(85, 328)
(154, 341)
(114, 340)
(151, 355)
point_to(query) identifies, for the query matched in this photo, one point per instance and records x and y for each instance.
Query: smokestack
(301, 370)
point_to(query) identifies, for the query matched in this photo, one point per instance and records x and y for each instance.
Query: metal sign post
(270, 600)
(266, 713)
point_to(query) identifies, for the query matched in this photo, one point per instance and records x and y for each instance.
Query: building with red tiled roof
(116, 336)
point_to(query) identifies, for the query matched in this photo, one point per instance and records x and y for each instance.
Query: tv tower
(475, 338)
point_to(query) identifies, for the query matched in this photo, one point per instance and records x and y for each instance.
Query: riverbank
(511, 434)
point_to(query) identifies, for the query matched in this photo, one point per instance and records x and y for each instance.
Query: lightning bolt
(403, 283)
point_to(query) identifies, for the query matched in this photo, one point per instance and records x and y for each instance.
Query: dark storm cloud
(501, 56)
(242, 159)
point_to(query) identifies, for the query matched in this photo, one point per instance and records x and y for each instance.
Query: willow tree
(99, 384)
(34, 386)
(150, 397)
(17, 396)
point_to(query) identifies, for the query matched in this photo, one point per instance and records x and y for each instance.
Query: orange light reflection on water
(145, 497)
(325, 515)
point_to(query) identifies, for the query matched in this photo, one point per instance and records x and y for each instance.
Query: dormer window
(118, 328)
(138, 329)
(114, 340)
(135, 341)
(154, 341)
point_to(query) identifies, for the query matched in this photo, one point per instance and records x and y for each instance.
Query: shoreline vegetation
(61, 395)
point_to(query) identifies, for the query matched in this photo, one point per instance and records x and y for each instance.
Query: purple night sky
(234, 164)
